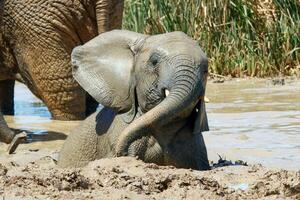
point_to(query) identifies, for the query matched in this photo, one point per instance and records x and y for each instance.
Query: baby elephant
(152, 90)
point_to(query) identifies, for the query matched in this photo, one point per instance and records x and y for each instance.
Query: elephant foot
(7, 136)
(18, 139)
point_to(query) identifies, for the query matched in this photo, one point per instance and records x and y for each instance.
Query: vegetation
(241, 37)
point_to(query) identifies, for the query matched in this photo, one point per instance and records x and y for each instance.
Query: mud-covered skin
(37, 39)
(6, 135)
(152, 89)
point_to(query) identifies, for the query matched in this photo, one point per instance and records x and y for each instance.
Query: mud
(128, 178)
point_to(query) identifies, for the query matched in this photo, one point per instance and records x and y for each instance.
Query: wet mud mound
(128, 178)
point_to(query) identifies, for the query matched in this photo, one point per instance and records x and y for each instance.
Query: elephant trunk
(185, 91)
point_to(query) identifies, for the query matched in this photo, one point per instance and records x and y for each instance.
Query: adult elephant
(152, 89)
(36, 40)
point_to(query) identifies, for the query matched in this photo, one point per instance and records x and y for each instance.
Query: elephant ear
(104, 66)
(201, 122)
(203, 117)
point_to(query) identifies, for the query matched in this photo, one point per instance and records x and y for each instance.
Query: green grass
(238, 36)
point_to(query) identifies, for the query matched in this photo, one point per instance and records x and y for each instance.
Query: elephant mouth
(155, 98)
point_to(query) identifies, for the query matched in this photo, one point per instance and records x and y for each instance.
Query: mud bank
(128, 178)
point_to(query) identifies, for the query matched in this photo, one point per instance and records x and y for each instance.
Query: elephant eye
(154, 59)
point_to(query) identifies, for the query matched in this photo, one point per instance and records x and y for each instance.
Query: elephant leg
(52, 75)
(47, 72)
(66, 105)
(7, 97)
(6, 135)
(109, 14)
(65, 99)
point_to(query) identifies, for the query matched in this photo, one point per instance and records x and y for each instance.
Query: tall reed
(241, 37)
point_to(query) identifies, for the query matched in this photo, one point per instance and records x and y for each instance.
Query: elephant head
(157, 83)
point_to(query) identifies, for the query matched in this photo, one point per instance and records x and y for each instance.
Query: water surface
(255, 121)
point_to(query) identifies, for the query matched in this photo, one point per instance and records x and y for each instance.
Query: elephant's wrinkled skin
(36, 41)
(152, 90)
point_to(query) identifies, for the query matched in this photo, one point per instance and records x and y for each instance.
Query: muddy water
(255, 121)
(250, 120)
